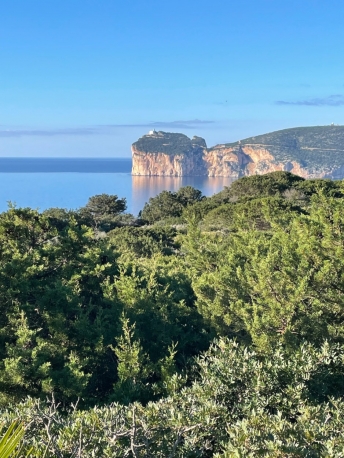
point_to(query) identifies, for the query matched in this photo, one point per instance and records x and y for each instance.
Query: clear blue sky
(87, 78)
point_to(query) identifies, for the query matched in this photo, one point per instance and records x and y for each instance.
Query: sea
(43, 183)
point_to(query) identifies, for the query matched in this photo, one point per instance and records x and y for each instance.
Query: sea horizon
(45, 182)
(65, 164)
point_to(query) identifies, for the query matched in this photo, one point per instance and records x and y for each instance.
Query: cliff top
(168, 143)
(310, 146)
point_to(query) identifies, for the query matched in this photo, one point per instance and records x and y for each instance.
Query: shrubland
(218, 332)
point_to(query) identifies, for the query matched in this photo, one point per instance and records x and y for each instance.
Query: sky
(88, 78)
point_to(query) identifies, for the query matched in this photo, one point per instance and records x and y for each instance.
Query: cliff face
(166, 154)
(247, 160)
(310, 152)
(161, 164)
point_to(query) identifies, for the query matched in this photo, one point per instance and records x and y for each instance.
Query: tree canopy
(219, 336)
(101, 210)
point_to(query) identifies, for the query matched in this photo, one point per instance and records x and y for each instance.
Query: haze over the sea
(86, 79)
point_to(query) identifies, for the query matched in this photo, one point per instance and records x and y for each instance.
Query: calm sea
(68, 183)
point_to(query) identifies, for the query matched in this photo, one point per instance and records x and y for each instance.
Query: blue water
(68, 183)
(63, 165)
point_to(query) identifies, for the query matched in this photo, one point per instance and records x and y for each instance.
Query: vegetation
(170, 143)
(10, 441)
(169, 204)
(219, 336)
(319, 147)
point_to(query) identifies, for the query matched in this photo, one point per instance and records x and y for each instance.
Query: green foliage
(328, 188)
(9, 443)
(242, 404)
(128, 316)
(254, 214)
(187, 195)
(169, 204)
(170, 143)
(270, 184)
(133, 366)
(280, 285)
(158, 291)
(62, 294)
(101, 211)
(295, 190)
(162, 206)
(144, 241)
(314, 147)
(55, 316)
(59, 217)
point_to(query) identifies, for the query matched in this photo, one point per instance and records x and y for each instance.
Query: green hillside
(314, 147)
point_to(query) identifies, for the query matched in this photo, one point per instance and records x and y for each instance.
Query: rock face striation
(169, 154)
(311, 152)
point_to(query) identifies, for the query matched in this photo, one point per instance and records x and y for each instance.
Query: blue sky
(87, 78)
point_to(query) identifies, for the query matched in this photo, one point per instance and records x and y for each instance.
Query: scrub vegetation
(170, 143)
(318, 148)
(206, 327)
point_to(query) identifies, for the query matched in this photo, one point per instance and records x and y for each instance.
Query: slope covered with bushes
(214, 331)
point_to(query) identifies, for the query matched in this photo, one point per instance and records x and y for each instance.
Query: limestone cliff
(311, 152)
(247, 160)
(168, 154)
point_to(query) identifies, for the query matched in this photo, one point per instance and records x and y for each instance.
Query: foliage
(59, 217)
(114, 328)
(285, 284)
(270, 184)
(170, 143)
(162, 206)
(242, 404)
(281, 185)
(144, 241)
(158, 291)
(62, 294)
(318, 146)
(170, 204)
(132, 366)
(52, 300)
(328, 188)
(101, 210)
(9, 443)
(255, 214)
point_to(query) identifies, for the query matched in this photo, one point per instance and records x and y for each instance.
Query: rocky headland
(311, 152)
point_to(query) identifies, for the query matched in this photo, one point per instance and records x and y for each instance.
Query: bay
(68, 183)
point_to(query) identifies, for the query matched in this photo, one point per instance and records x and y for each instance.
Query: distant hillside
(311, 152)
(319, 147)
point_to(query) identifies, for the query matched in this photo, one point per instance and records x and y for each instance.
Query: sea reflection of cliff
(144, 187)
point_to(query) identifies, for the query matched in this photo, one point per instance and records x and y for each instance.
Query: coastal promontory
(310, 152)
(169, 154)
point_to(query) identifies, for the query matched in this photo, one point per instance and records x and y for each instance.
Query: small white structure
(152, 132)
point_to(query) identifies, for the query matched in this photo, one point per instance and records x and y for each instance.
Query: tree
(144, 241)
(283, 284)
(164, 205)
(58, 217)
(169, 204)
(133, 366)
(55, 320)
(101, 210)
(270, 184)
(187, 195)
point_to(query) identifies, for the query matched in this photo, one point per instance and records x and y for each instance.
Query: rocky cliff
(247, 160)
(311, 152)
(169, 154)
